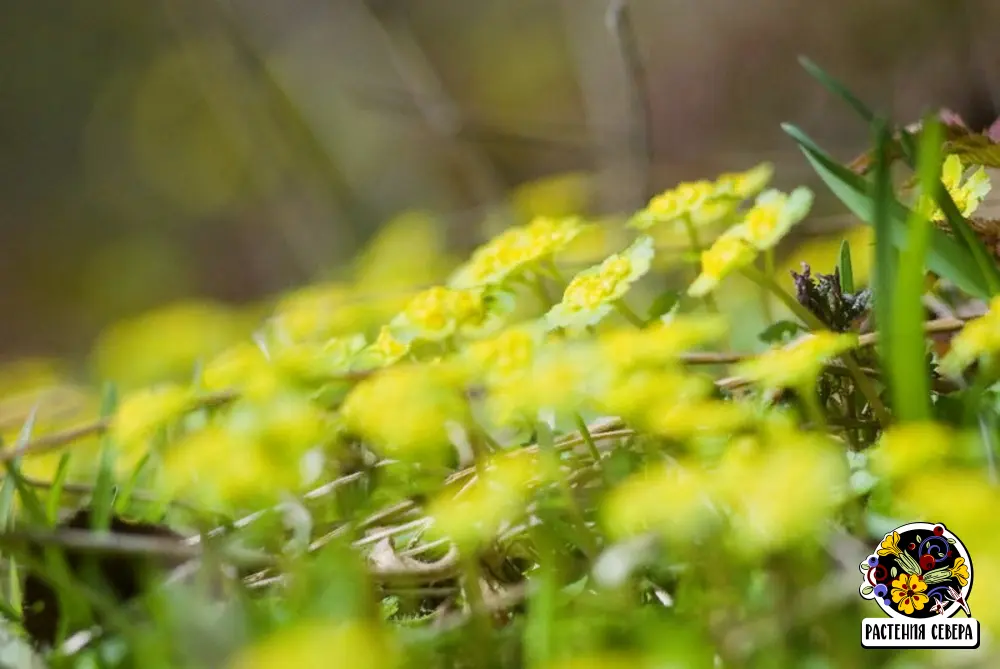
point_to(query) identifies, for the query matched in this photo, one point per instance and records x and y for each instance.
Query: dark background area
(151, 151)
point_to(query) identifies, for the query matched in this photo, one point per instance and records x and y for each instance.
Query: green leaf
(780, 331)
(947, 257)
(102, 504)
(893, 572)
(867, 590)
(54, 500)
(837, 89)
(7, 492)
(662, 305)
(29, 498)
(846, 268)
(905, 345)
(125, 491)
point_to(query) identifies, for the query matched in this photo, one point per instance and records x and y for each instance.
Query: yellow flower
(729, 253)
(773, 215)
(908, 591)
(311, 645)
(703, 202)
(506, 354)
(674, 500)
(910, 448)
(641, 395)
(960, 570)
(439, 312)
(967, 196)
(683, 200)
(591, 294)
(407, 251)
(979, 337)
(498, 497)
(560, 379)
(251, 453)
(318, 312)
(516, 250)
(785, 493)
(970, 504)
(743, 185)
(797, 365)
(384, 351)
(660, 343)
(221, 468)
(242, 367)
(288, 424)
(165, 344)
(555, 195)
(889, 545)
(312, 362)
(435, 313)
(143, 412)
(686, 419)
(403, 411)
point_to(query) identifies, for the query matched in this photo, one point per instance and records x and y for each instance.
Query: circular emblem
(918, 571)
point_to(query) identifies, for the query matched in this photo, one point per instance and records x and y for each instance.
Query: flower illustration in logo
(908, 593)
(917, 571)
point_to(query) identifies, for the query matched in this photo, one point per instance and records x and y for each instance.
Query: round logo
(918, 571)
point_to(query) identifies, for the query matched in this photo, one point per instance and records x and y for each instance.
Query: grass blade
(947, 257)
(54, 500)
(104, 488)
(837, 88)
(846, 268)
(884, 266)
(906, 347)
(29, 499)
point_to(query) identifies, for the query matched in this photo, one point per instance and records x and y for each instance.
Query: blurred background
(211, 154)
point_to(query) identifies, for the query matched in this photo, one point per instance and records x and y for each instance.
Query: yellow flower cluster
(704, 202)
(967, 195)
(143, 412)
(797, 365)
(439, 313)
(312, 644)
(516, 251)
(316, 313)
(498, 496)
(979, 338)
(763, 495)
(761, 228)
(404, 412)
(591, 294)
(729, 253)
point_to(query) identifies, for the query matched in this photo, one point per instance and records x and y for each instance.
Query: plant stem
(477, 609)
(588, 439)
(862, 382)
(765, 297)
(629, 315)
(696, 247)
